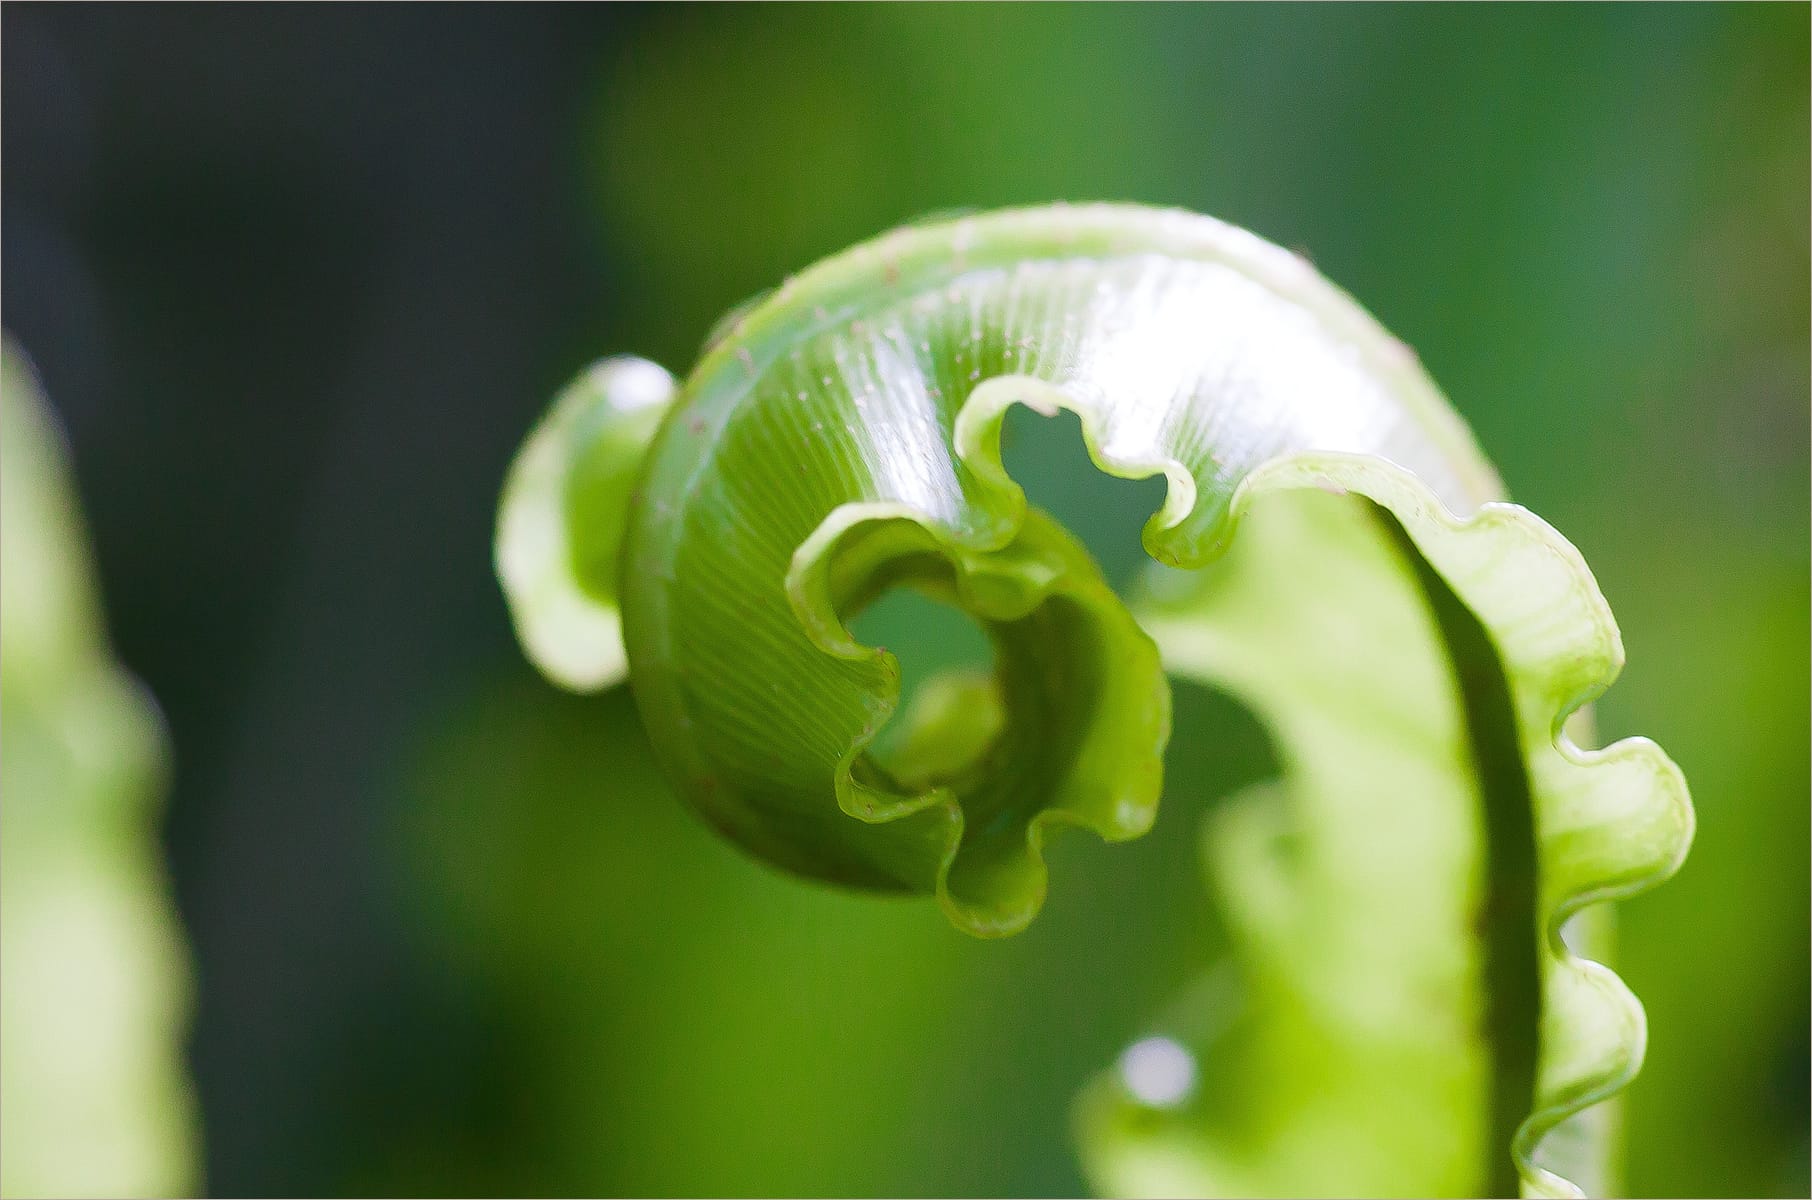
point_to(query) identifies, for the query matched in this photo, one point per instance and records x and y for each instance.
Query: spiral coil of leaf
(1331, 550)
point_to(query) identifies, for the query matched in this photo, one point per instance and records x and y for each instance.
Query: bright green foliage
(93, 1100)
(1403, 1016)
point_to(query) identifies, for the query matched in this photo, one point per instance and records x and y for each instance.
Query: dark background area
(297, 280)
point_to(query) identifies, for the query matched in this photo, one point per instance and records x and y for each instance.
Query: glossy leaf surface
(1404, 1009)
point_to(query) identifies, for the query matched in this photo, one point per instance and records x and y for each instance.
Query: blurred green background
(298, 279)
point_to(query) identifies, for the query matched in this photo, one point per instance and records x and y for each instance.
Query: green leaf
(1384, 1009)
(94, 995)
(1403, 1015)
(560, 523)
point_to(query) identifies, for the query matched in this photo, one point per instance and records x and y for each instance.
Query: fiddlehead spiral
(1413, 644)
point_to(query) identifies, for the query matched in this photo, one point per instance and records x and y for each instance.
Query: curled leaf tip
(560, 522)
(841, 436)
(1402, 1013)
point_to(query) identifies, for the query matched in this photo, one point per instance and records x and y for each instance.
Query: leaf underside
(1403, 1015)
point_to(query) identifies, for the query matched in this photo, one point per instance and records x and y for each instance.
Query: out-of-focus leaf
(94, 994)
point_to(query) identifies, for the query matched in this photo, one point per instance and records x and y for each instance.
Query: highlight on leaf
(1403, 1015)
(560, 523)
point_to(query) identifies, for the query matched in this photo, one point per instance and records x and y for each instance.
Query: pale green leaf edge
(1612, 822)
(572, 633)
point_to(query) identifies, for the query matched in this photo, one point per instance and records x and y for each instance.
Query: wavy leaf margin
(1598, 843)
